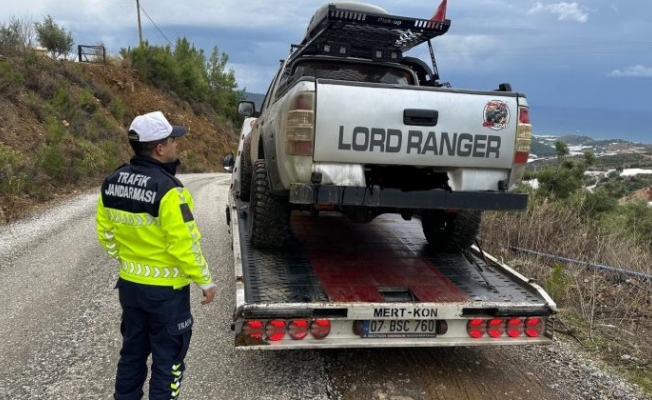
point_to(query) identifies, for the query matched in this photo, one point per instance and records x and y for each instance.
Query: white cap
(153, 126)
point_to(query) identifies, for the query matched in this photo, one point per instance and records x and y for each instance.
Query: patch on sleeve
(187, 214)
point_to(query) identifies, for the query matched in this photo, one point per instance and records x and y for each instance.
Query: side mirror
(246, 108)
(228, 162)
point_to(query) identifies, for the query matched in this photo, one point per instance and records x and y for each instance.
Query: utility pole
(140, 28)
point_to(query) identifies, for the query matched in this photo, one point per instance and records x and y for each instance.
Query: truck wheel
(245, 170)
(450, 232)
(269, 213)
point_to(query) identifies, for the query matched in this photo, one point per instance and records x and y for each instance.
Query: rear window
(371, 73)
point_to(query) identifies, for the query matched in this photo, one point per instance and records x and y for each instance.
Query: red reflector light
(275, 329)
(299, 148)
(533, 327)
(496, 327)
(298, 329)
(520, 157)
(514, 327)
(524, 115)
(320, 328)
(253, 328)
(476, 328)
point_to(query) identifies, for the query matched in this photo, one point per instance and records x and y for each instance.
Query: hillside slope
(63, 128)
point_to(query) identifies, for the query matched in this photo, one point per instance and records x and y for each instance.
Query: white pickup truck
(349, 124)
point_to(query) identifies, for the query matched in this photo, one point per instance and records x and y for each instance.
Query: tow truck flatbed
(358, 277)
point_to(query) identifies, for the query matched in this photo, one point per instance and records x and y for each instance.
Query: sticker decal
(496, 115)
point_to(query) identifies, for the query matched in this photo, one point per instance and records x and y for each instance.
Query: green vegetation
(81, 133)
(204, 83)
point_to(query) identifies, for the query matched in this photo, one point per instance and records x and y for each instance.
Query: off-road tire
(269, 213)
(246, 170)
(451, 232)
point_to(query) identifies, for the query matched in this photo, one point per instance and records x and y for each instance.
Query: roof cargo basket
(342, 30)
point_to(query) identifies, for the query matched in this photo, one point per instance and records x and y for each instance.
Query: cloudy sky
(577, 58)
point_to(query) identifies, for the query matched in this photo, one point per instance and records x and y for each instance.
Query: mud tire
(451, 232)
(269, 213)
(246, 170)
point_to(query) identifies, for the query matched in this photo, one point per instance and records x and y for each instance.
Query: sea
(600, 124)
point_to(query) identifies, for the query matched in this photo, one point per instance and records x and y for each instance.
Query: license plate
(399, 329)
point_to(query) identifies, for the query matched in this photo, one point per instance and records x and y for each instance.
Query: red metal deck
(353, 262)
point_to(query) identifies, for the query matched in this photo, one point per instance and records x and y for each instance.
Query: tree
(54, 38)
(17, 36)
(567, 177)
(224, 94)
(562, 149)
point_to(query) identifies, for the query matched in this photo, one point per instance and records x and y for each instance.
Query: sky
(585, 65)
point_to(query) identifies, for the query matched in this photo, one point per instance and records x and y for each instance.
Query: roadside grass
(610, 314)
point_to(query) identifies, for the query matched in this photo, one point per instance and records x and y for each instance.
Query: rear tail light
(476, 328)
(515, 327)
(496, 327)
(523, 136)
(300, 128)
(533, 327)
(275, 330)
(320, 328)
(253, 328)
(298, 329)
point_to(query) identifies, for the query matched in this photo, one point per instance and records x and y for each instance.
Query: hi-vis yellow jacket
(144, 220)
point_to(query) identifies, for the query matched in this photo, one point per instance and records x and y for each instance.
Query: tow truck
(340, 283)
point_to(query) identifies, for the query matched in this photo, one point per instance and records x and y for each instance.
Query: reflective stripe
(126, 218)
(150, 270)
(176, 384)
(195, 248)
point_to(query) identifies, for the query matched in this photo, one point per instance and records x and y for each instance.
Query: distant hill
(542, 149)
(257, 98)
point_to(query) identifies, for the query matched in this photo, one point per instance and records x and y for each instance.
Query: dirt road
(60, 337)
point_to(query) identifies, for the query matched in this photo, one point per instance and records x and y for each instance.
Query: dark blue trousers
(156, 320)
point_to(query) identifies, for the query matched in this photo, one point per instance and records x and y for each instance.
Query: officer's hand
(209, 294)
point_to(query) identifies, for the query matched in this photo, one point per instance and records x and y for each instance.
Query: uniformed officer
(145, 221)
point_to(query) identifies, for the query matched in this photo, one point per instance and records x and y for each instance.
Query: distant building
(40, 51)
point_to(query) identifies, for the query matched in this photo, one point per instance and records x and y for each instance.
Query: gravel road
(60, 332)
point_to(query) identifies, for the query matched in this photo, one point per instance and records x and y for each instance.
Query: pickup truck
(352, 125)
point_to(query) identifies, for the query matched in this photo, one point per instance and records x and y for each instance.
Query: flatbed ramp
(334, 268)
(330, 258)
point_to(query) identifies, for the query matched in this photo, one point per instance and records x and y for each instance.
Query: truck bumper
(395, 198)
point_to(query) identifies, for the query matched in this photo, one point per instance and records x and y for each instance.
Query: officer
(145, 221)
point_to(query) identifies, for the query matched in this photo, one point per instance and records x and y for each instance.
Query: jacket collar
(145, 161)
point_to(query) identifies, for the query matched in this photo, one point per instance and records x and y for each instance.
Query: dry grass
(609, 313)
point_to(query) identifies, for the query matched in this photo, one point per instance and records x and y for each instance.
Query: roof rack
(353, 33)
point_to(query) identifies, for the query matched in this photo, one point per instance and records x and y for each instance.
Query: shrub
(51, 159)
(10, 170)
(87, 101)
(117, 109)
(41, 81)
(11, 82)
(38, 106)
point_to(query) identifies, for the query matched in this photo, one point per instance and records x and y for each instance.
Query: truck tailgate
(419, 126)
